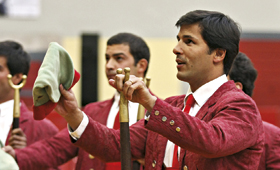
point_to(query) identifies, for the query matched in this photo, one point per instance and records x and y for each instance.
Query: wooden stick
(141, 109)
(16, 113)
(140, 115)
(124, 127)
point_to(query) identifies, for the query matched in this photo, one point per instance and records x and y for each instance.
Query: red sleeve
(51, 152)
(104, 143)
(271, 156)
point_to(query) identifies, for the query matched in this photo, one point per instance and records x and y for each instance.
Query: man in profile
(213, 126)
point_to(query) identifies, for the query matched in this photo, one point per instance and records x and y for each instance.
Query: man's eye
(119, 58)
(188, 41)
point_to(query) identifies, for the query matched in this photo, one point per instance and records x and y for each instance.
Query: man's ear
(17, 78)
(239, 85)
(141, 66)
(219, 55)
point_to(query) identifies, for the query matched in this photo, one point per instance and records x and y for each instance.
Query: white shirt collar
(203, 93)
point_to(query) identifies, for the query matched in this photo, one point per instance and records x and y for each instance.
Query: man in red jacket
(15, 61)
(123, 50)
(244, 75)
(223, 128)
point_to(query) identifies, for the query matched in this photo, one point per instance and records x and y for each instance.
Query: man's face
(118, 56)
(193, 58)
(5, 88)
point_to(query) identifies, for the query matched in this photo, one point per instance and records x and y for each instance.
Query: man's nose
(110, 64)
(177, 49)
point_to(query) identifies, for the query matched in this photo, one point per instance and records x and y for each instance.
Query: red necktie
(117, 121)
(189, 103)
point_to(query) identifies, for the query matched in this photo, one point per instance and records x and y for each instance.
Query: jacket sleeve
(104, 142)
(271, 154)
(47, 153)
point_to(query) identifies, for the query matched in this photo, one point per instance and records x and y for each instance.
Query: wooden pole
(16, 113)
(124, 127)
(141, 109)
(140, 115)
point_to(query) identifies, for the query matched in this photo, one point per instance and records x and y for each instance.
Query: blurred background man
(244, 75)
(15, 61)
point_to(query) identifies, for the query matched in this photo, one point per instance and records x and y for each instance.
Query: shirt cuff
(81, 128)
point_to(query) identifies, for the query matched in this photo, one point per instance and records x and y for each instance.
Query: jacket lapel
(203, 111)
(104, 109)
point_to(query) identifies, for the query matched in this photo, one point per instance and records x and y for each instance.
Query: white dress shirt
(201, 95)
(6, 119)
(132, 110)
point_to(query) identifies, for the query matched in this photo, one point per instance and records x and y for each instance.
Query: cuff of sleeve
(80, 130)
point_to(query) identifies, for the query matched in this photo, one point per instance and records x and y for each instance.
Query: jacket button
(164, 118)
(172, 122)
(91, 156)
(178, 129)
(156, 113)
(154, 163)
(185, 167)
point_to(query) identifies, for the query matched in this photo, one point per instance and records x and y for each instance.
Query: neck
(7, 97)
(3, 101)
(194, 85)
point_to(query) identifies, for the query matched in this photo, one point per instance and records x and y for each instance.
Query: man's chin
(181, 77)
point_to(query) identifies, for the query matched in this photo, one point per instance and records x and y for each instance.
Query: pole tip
(119, 71)
(126, 69)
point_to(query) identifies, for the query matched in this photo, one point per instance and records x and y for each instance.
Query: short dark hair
(18, 60)
(218, 30)
(137, 46)
(243, 71)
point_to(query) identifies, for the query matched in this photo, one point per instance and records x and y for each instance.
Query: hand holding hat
(57, 68)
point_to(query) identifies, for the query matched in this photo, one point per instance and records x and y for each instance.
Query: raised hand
(134, 90)
(67, 107)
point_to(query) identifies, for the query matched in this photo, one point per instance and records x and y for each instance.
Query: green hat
(57, 68)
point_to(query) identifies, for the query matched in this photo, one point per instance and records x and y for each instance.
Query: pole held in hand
(124, 127)
(141, 109)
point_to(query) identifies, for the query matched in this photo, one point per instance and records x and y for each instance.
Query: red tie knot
(189, 103)
(190, 100)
